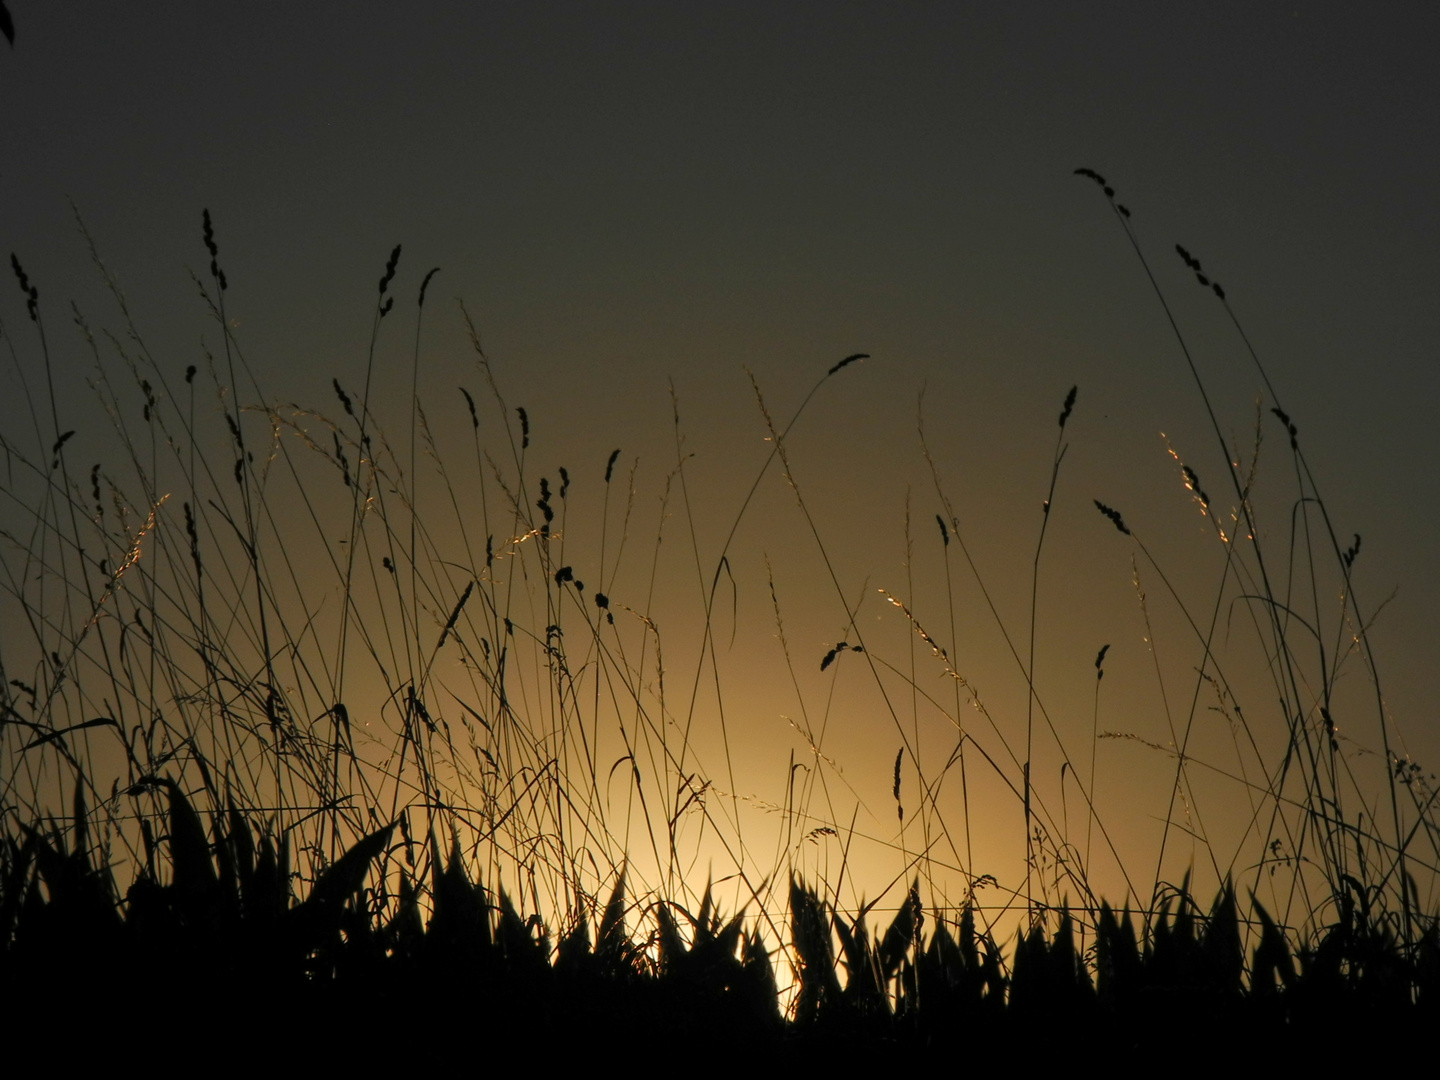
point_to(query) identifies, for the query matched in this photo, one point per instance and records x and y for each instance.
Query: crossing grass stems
(264, 833)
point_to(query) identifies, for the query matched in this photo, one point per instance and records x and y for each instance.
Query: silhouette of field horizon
(366, 703)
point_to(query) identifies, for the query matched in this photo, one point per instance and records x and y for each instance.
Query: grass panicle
(336, 722)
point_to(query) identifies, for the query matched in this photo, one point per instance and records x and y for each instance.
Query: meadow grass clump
(302, 706)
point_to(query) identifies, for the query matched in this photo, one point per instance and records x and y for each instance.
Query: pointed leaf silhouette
(672, 947)
(901, 935)
(729, 938)
(17, 869)
(193, 874)
(344, 877)
(1272, 958)
(1225, 955)
(612, 941)
(81, 844)
(810, 934)
(573, 952)
(242, 846)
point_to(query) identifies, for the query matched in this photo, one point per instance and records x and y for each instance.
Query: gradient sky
(634, 193)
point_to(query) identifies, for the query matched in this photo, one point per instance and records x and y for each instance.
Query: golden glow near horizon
(773, 712)
(867, 668)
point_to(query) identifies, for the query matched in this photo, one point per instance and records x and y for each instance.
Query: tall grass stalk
(439, 667)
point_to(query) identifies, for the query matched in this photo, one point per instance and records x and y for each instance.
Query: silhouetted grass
(225, 936)
(303, 816)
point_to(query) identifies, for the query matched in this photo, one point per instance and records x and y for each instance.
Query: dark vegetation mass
(226, 938)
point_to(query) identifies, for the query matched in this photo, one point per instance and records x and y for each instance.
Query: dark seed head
(1069, 405)
(390, 270)
(344, 397)
(32, 294)
(848, 360)
(426, 284)
(1114, 516)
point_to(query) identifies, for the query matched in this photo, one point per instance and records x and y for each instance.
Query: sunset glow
(812, 458)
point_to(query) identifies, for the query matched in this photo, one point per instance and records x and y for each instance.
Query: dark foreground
(221, 964)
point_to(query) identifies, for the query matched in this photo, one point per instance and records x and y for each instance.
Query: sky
(638, 200)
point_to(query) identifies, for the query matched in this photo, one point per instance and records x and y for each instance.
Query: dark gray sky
(630, 193)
